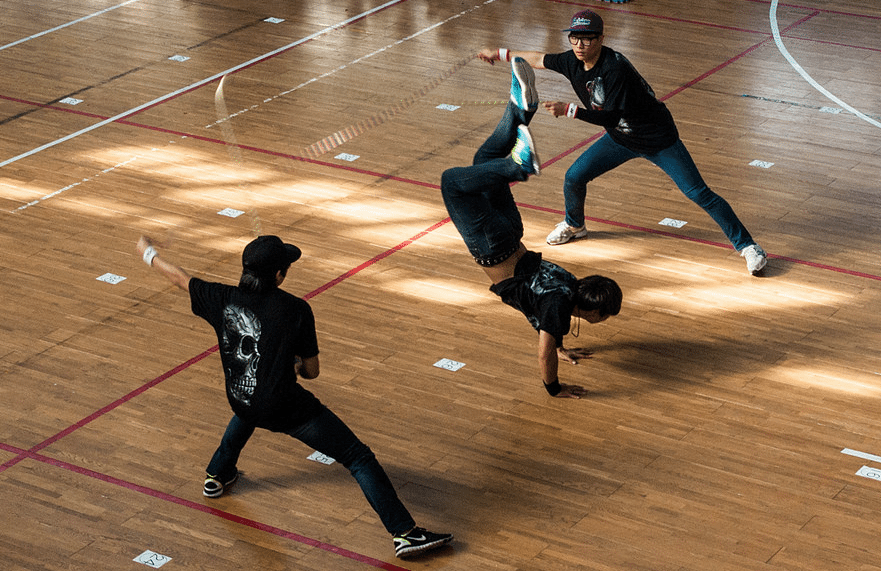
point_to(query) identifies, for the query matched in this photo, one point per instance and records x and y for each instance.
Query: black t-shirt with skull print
(260, 335)
(616, 97)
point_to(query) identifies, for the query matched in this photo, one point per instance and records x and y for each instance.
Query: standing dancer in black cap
(617, 98)
(267, 339)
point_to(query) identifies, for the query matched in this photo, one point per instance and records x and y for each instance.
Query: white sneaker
(563, 233)
(756, 258)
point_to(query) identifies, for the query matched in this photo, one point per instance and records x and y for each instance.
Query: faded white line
(220, 95)
(62, 26)
(353, 62)
(863, 455)
(75, 184)
(130, 112)
(777, 40)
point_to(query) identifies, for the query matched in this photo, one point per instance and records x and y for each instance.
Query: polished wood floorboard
(719, 404)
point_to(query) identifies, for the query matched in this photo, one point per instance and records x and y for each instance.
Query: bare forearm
(175, 274)
(548, 362)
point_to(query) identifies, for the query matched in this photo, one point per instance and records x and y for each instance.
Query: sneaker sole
(760, 268)
(409, 551)
(523, 131)
(579, 234)
(524, 75)
(222, 490)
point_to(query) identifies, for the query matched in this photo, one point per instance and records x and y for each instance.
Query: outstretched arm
(175, 274)
(492, 55)
(548, 362)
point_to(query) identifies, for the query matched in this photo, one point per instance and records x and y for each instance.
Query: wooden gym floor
(732, 423)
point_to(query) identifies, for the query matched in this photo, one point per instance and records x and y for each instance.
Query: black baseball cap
(586, 22)
(268, 254)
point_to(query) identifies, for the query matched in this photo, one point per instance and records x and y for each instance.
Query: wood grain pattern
(718, 403)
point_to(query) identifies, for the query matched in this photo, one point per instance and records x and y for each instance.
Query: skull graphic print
(238, 347)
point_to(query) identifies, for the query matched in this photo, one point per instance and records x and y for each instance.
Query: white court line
(777, 40)
(863, 455)
(351, 63)
(125, 114)
(56, 28)
(75, 184)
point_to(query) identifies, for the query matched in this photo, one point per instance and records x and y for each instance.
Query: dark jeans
(329, 435)
(606, 154)
(478, 197)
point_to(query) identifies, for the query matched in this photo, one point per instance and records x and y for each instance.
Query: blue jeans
(329, 435)
(606, 154)
(478, 197)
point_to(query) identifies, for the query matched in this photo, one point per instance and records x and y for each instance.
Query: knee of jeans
(702, 196)
(449, 185)
(356, 455)
(574, 180)
(445, 181)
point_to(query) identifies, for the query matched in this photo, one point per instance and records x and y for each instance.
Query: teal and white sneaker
(524, 152)
(523, 92)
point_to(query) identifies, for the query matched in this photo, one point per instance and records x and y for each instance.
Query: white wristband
(571, 110)
(149, 254)
(504, 54)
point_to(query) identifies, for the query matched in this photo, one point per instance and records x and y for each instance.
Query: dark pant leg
(329, 435)
(223, 463)
(500, 143)
(601, 157)
(480, 204)
(478, 197)
(676, 161)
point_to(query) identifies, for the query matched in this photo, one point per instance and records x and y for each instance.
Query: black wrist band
(553, 388)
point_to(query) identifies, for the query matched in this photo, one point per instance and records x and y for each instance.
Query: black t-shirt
(543, 292)
(617, 98)
(260, 336)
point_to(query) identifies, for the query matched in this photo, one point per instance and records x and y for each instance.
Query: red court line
(658, 17)
(828, 43)
(186, 364)
(710, 243)
(32, 453)
(109, 407)
(580, 145)
(814, 9)
(437, 225)
(674, 19)
(374, 260)
(215, 140)
(264, 527)
(215, 512)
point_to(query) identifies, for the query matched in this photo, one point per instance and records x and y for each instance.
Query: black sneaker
(214, 488)
(418, 541)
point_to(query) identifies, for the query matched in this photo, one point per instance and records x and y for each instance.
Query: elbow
(309, 368)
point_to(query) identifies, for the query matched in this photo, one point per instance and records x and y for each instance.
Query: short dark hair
(600, 293)
(263, 282)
